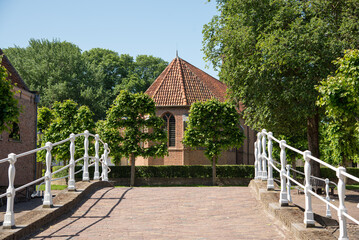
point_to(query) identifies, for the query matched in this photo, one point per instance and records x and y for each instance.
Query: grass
(352, 187)
(53, 187)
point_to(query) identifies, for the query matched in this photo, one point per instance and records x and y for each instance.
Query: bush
(198, 171)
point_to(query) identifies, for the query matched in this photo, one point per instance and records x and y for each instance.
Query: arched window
(170, 125)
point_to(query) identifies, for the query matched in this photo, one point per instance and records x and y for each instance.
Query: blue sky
(152, 27)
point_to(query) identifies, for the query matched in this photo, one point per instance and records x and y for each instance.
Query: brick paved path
(168, 213)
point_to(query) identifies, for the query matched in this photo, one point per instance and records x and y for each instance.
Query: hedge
(200, 171)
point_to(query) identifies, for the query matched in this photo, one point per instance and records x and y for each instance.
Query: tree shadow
(101, 218)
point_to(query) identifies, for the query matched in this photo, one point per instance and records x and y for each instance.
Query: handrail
(9, 219)
(261, 158)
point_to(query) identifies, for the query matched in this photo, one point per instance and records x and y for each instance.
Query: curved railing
(9, 219)
(263, 172)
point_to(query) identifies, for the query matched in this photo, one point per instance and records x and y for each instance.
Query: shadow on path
(84, 216)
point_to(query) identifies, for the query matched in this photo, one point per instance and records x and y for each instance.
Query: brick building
(23, 136)
(177, 87)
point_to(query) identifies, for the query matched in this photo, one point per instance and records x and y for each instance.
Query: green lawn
(53, 187)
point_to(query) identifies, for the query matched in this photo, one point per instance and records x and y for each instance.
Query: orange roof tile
(182, 84)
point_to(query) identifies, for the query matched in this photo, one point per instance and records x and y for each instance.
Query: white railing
(9, 219)
(261, 173)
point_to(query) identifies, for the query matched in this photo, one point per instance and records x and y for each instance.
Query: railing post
(343, 235)
(71, 185)
(264, 156)
(85, 174)
(270, 182)
(259, 142)
(48, 175)
(104, 164)
(256, 160)
(289, 196)
(9, 218)
(328, 214)
(308, 213)
(96, 173)
(283, 200)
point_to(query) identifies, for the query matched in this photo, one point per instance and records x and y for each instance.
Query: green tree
(9, 112)
(339, 94)
(272, 53)
(59, 122)
(215, 126)
(133, 129)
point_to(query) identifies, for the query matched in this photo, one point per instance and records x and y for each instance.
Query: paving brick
(168, 213)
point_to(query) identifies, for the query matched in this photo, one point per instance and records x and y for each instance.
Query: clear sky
(152, 27)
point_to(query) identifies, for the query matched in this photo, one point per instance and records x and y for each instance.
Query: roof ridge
(199, 79)
(164, 76)
(184, 97)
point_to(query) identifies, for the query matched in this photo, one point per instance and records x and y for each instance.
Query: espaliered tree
(59, 122)
(215, 126)
(271, 54)
(9, 111)
(339, 94)
(132, 129)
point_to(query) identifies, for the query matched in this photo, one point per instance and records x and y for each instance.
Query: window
(170, 125)
(15, 132)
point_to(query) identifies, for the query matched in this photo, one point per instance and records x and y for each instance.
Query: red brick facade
(25, 166)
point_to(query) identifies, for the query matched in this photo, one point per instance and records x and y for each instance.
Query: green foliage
(66, 118)
(9, 111)
(215, 126)
(59, 71)
(272, 53)
(196, 171)
(131, 121)
(339, 94)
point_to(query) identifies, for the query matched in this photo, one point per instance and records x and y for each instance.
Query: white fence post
(308, 213)
(289, 196)
(9, 219)
(270, 182)
(96, 173)
(343, 235)
(283, 200)
(328, 213)
(71, 185)
(104, 164)
(48, 175)
(259, 142)
(256, 160)
(85, 174)
(264, 156)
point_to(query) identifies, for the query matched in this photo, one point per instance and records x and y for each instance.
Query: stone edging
(64, 202)
(291, 216)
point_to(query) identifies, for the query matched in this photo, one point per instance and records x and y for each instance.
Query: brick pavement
(168, 213)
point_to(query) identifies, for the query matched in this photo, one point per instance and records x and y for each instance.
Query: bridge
(264, 210)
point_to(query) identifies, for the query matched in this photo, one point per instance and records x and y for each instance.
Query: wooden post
(270, 182)
(308, 213)
(9, 218)
(85, 174)
(97, 145)
(343, 234)
(283, 200)
(71, 185)
(48, 176)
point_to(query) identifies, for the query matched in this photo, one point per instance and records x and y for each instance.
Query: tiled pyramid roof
(13, 75)
(182, 84)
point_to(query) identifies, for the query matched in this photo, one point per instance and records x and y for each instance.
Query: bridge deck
(168, 213)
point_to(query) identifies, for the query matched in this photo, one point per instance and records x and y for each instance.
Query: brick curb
(291, 216)
(63, 203)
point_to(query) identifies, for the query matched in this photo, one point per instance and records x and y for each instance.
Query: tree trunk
(313, 142)
(132, 158)
(294, 166)
(214, 175)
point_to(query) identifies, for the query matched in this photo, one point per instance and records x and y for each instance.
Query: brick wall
(179, 155)
(25, 166)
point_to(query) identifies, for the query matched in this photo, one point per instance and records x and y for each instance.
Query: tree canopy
(272, 53)
(59, 122)
(133, 129)
(215, 126)
(59, 70)
(9, 111)
(339, 94)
